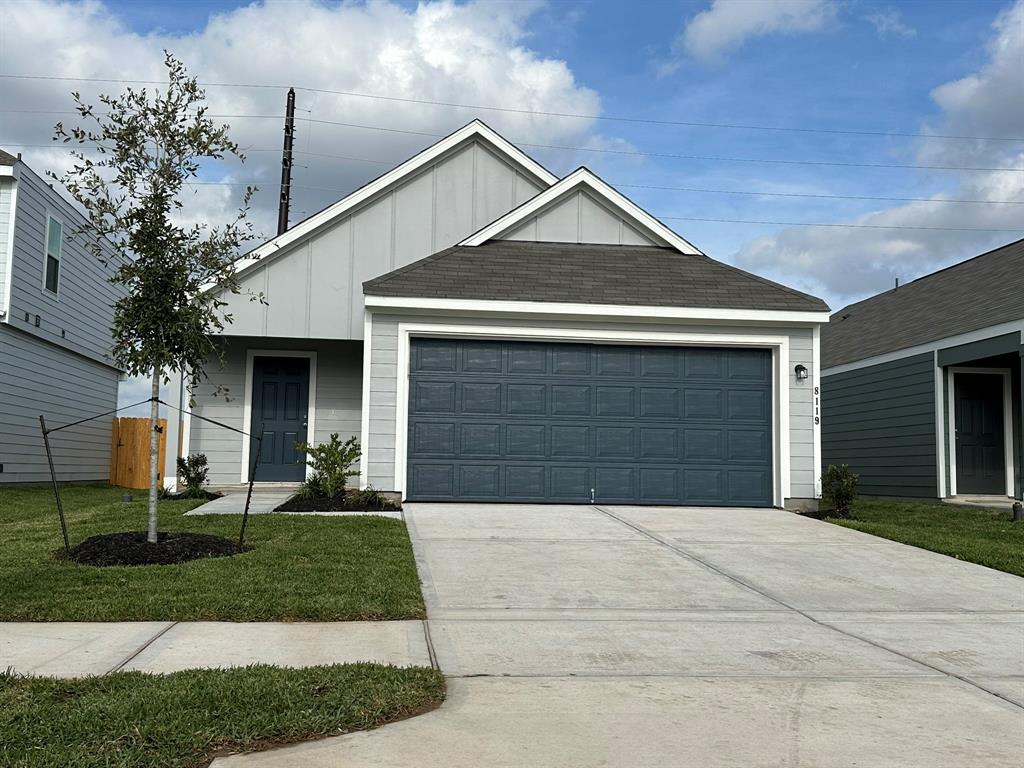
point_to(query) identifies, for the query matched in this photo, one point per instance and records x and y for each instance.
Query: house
(494, 333)
(55, 344)
(921, 391)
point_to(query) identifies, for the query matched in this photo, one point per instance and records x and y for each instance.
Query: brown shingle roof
(977, 293)
(589, 274)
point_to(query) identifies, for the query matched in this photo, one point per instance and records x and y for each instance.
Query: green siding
(881, 421)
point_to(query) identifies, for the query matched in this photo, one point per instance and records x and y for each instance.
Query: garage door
(575, 423)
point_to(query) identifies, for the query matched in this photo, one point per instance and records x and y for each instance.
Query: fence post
(53, 479)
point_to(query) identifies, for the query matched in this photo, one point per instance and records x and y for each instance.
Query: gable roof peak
(599, 188)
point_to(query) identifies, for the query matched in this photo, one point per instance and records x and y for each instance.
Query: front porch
(289, 390)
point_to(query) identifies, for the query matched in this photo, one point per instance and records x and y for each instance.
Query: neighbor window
(54, 238)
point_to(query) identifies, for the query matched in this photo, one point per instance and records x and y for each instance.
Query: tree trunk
(154, 455)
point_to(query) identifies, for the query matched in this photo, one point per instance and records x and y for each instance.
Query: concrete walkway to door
(611, 636)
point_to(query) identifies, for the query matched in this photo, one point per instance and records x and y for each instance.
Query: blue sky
(836, 65)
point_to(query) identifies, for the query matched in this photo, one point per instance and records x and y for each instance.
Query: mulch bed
(205, 496)
(821, 514)
(132, 548)
(335, 504)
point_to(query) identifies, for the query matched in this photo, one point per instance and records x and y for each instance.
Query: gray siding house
(494, 333)
(55, 344)
(921, 392)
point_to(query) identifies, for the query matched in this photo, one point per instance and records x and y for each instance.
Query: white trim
(598, 310)
(1008, 463)
(364, 429)
(5, 306)
(816, 406)
(949, 341)
(8, 170)
(940, 437)
(475, 129)
(780, 390)
(582, 177)
(247, 406)
(54, 295)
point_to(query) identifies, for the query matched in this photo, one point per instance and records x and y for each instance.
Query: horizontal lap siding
(384, 373)
(39, 378)
(83, 308)
(881, 421)
(337, 405)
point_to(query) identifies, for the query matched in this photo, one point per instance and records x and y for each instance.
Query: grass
(983, 536)
(185, 719)
(300, 568)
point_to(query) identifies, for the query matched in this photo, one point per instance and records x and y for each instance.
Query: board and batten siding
(578, 218)
(339, 366)
(78, 318)
(383, 404)
(314, 288)
(881, 421)
(38, 378)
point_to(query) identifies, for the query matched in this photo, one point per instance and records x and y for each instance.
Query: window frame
(59, 258)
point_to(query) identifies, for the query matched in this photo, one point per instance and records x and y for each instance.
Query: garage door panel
(558, 422)
(480, 439)
(528, 399)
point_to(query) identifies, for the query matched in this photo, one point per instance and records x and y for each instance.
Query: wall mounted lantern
(801, 372)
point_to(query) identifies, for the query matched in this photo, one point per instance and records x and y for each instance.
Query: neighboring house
(521, 338)
(55, 343)
(921, 392)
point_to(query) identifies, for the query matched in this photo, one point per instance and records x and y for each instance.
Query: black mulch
(820, 514)
(204, 495)
(132, 548)
(334, 504)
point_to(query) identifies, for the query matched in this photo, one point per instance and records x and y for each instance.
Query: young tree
(146, 149)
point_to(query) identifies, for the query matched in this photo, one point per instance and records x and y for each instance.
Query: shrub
(192, 473)
(839, 487)
(331, 463)
(372, 499)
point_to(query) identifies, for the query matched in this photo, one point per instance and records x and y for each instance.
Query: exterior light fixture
(801, 372)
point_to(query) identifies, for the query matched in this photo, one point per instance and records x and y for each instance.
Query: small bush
(371, 499)
(839, 488)
(331, 463)
(192, 474)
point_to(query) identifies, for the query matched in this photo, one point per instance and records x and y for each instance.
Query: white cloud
(728, 24)
(440, 51)
(888, 21)
(843, 264)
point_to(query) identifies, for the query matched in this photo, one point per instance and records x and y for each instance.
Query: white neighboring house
(55, 344)
(495, 333)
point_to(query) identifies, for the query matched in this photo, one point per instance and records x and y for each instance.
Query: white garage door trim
(779, 346)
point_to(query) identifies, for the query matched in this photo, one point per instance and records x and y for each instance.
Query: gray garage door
(556, 422)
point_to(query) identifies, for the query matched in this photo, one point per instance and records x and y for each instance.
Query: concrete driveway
(638, 636)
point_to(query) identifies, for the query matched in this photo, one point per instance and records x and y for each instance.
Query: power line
(847, 226)
(700, 190)
(632, 153)
(544, 113)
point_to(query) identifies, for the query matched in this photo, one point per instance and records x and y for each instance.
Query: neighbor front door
(980, 450)
(280, 406)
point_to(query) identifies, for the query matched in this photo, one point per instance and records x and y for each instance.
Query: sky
(738, 122)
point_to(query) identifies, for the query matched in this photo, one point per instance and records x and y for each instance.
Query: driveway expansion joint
(768, 596)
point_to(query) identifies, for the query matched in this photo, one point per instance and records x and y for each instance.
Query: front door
(280, 404)
(980, 450)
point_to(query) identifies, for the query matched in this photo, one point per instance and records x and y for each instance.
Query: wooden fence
(129, 452)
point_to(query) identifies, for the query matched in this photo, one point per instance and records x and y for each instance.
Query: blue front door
(581, 423)
(280, 405)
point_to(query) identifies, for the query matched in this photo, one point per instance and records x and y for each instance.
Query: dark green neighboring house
(921, 385)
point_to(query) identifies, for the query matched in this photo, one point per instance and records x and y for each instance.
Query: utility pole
(286, 163)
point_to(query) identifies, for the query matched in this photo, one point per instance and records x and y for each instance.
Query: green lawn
(983, 536)
(300, 568)
(184, 719)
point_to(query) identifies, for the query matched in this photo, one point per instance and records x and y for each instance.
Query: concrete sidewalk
(73, 649)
